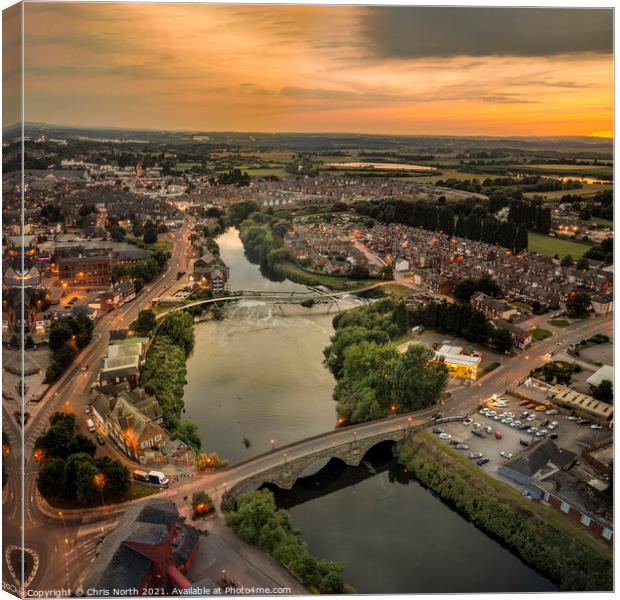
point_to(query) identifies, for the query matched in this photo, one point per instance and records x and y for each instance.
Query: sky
(444, 71)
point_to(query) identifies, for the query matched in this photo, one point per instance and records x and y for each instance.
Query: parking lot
(485, 444)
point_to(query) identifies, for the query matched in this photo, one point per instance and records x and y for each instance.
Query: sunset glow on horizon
(282, 68)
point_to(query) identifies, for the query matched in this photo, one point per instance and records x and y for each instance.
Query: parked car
(524, 427)
(474, 455)
(530, 406)
(100, 440)
(525, 414)
(551, 412)
(437, 430)
(488, 429)
(467, 422)
(596, 426)
(479, 433)
(88, 409)
(553, 436)
(545, 423)
(482, 461)
(462, 447)
(524, 443)
(85, 368)
(524, 402)
(573, 418)
(531, 418)
(583, 422)
(540, 408)
(505, 454)
(498, 435)
(444, 436)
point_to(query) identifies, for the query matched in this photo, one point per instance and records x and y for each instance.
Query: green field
(550, 246)
(588, 189)
(559, 323)
(541, 334)
(297, 274)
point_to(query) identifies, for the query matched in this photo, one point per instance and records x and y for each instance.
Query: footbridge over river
(284, 466)
(296, 297)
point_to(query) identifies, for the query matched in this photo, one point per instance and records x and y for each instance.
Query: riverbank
(256, 519)
(165, 370)
(552, 544)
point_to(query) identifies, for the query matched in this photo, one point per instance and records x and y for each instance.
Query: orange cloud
(291, 68)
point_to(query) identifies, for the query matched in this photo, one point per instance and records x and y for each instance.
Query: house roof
(540, 456)
(605, 372)
(120, 566)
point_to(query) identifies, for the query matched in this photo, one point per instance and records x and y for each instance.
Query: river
(258, 375)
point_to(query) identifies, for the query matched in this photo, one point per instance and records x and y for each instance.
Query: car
(497, 418)
(541, 433)
(479, 433)
(498, 435)
(35, 347)
(514, 424)
(467, 422)
(573, 418)
(488, 429)
(545, 423)
(482, 461)
(474, 455)
(596, 426)
(524, 443)
(454, 442)
(531, 418)
(524, 427)
(505, 421)
(492, 413)
(530, 405)
(540, 408)
(84, 368)
(524, 403)
(583, 422)
(476, 425)
(505, 454)
(551, 426)
(437, 430)
(462, 447)
(553, 436)
(551, 412)
(509, 414)
(100, 440)
(533, 429)
(444, 436)
(88, 408)
(525, 414)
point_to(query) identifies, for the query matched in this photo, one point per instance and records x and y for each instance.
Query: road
(55, 539)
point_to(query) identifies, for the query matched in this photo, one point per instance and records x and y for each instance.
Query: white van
(90, 425)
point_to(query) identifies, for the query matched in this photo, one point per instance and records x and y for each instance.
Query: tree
(605, 391)
(51, 478)
(465, 289)
(521, 238)
(583, 264)
(502, 340)
(150, 235)
(145, 323)
(577, 305)
(116, 477)
(567, 261)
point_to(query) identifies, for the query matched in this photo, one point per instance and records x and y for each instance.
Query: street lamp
(273, 443)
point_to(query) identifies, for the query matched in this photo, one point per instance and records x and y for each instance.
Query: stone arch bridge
(283, 467)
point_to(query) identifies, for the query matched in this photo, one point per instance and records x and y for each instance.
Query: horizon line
(321, 133)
